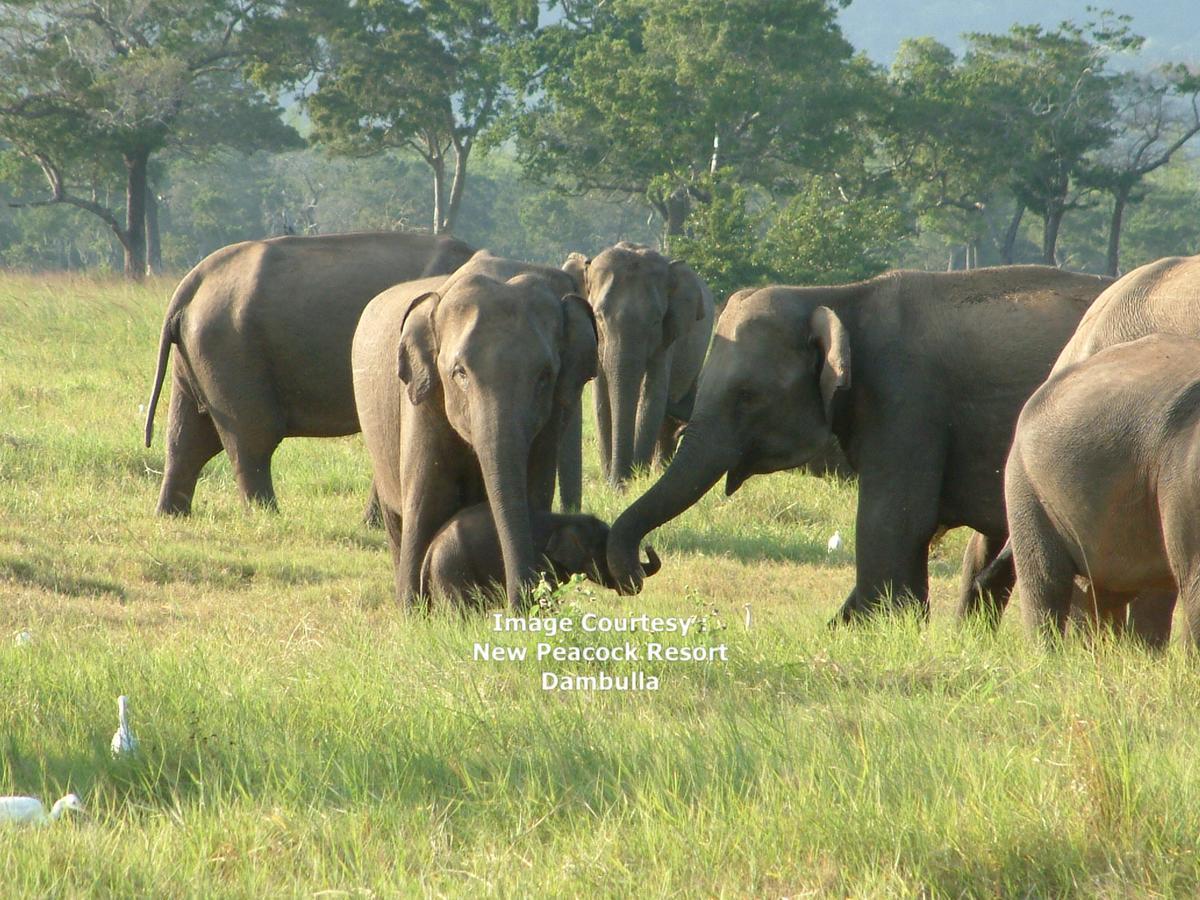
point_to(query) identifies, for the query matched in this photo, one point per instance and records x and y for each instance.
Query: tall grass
(301, 735)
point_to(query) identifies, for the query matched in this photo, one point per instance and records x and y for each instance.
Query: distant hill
(1171, 27)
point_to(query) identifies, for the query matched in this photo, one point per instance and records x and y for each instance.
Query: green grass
(302, 736)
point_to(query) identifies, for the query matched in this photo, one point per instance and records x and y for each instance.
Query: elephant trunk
(503, 452)
(652, 410)
(625, 376)
(704, 456)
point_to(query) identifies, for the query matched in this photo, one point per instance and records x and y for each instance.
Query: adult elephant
(1162, 297)
(465, 387)
(921, 377)
(654, 316)
(263, 330)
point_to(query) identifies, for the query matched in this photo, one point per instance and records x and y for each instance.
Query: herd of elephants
(1055, 414)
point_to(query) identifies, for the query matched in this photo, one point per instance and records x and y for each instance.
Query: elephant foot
(856, 611)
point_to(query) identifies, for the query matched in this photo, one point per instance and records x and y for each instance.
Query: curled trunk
(701, 460)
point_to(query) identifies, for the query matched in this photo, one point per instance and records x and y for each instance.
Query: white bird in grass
(749, 617)
(123, 741)
(29, 810)
(21, 638)
(835, 542)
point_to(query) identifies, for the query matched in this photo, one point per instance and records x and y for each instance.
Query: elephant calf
(465, 556)
(1103, 482)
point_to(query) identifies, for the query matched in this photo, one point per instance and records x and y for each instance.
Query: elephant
(465, 559)
(1103, 482)
(655, 318)
(919, 375)
(263, 330)
(464, 388)
(1159, 297)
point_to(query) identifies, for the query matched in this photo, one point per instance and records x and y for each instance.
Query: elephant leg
(372, 516)
(667, 442)
(1100, 613)
(1150, 616)
(1189, 597)
(251, 458)
(192, 440)
(897, 518)
(603, 422)
(1045, 569)
(427, 507)
(984, 588)
(570, 460)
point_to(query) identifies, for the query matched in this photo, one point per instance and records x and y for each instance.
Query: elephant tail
(170, 335)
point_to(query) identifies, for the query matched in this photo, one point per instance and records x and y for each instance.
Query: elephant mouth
(735, 478)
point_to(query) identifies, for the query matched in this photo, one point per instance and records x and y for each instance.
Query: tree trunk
(153, 239)
(678, 206)
(1120, 200)
(438, 164)
(1050, 227)
(457, 186)
(136, 162)
(1010, 236)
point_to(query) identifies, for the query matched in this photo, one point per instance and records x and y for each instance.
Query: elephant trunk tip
(653, 564)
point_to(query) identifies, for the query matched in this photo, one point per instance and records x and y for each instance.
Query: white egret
(835, 542)
(29, 810)
(123, 741)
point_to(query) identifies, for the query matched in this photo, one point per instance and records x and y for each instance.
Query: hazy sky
(1172, 27)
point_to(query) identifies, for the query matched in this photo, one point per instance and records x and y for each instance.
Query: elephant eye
(459, 374)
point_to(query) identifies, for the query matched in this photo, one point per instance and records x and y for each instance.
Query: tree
(421, 75)
(648, 97)
(89, 87)
(1158, 112)
(1052, 97)
(816, 237)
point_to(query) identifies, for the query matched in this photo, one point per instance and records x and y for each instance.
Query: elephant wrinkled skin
(464, 388)
(654, 317)
(465, 558)
(921, 377)
(1120, 507)
(263, 331)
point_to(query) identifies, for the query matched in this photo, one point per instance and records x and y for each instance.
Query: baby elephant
(1103, 482)
(465, 558)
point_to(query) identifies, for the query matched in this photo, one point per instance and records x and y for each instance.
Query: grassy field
(302, 737)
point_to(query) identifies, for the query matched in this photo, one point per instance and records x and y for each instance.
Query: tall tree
(1052, 94)
(1158, 113)
(648, 97)
(87, 86)
(421, 75)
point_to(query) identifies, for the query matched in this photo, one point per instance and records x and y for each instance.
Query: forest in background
(749, 136)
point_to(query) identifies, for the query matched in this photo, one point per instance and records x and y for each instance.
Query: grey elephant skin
(1103, 481)
(263, 331)
(464, 388)
(1159, 297)
(465, 560)
(655, 319)
(920, 376)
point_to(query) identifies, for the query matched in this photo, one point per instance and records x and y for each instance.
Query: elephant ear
(579, 350)
(416, 363)
(577, 266)
(685, 301)
(830, 335)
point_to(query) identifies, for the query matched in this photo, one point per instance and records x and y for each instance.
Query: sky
(1171, 27)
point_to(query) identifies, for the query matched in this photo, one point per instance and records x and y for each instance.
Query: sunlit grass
(301, 734)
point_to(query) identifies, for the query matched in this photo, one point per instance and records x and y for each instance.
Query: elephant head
(579, 545)
(643, 303)
(766, 402)
(504, 359)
